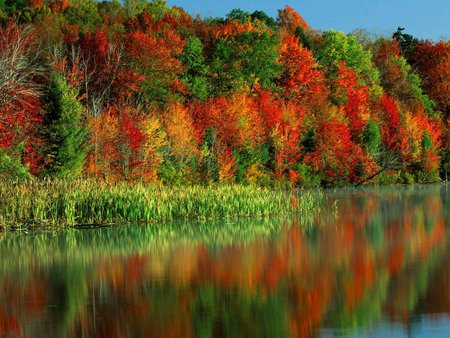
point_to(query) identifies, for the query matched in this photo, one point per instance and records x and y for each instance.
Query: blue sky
(428, 19)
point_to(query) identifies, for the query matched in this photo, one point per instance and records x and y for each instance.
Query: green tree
(398, 78)
(239, 15)
(13, 6)
(304, 38)
(84, 13)
(244, 60)
(11, 166)
(196, 70)
(262, 16)
(134, 7)
(67, 134)
(372, 137)
(431, 173)
(406, 41)
(337, 46)
(158, 8)
(413, 88)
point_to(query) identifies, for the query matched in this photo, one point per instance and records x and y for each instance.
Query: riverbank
(88, 202)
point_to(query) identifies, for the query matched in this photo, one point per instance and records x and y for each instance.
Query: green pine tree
(67, 134)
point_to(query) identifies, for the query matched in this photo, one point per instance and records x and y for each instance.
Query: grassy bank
(77, 202)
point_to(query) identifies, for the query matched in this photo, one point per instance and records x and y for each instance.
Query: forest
(145, 92)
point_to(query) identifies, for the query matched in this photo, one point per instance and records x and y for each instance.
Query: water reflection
(378, 266)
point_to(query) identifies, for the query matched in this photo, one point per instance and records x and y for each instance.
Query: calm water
(379, 266)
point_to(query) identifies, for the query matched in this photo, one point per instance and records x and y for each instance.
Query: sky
(425, 19)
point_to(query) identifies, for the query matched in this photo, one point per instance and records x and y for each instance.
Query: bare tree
(19, 69)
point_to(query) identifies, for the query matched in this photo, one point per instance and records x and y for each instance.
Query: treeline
(146, 92)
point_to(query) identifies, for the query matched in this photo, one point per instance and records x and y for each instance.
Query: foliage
(154, 52)
(336, 47)
(397, 77)
(196, 69)
(20, 94)
(432, 61)
(245, 60)
(11, 167)
(239, 15)
(289, 20)
(372, 137)
(301, 79)
(263, 17)
(66, 131)
(406, 42)
(144, 92)
(84, 13)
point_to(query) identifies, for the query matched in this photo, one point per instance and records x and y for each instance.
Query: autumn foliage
(167, 97)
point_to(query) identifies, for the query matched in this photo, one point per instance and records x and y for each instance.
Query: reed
(79, 202)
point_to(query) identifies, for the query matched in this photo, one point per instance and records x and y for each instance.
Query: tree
(239, 15)
(154, 142)
(180, 131)
(392, 124)
(12, 167)
(112, 13)
(20, 94)
(333, 153)
(304, 38)
(284, 124)
(371, 138)
(354, 98)
(67, 134)
(300, 79)
(126, 144)
(155, 94)
(398, 78)
(432, 61)
(289, 20)
(445, 159)
(107, 79)
(406, 42)
(104, 158)
(84, 13)
(134, 7)
(263, 17)
(245, 60)
(196, 69)
(430, 160)
(337, 47)
(154, 52)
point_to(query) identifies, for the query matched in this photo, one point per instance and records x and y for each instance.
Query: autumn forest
(144, 92)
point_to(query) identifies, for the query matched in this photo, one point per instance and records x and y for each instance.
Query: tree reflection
(383, 256)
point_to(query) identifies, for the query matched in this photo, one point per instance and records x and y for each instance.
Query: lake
(378, 265)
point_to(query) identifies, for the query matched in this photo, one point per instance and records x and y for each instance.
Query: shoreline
(88, 203)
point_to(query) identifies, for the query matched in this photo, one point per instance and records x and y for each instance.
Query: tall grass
(76, 202)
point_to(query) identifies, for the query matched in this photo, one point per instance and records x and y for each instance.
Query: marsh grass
(87, 202)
